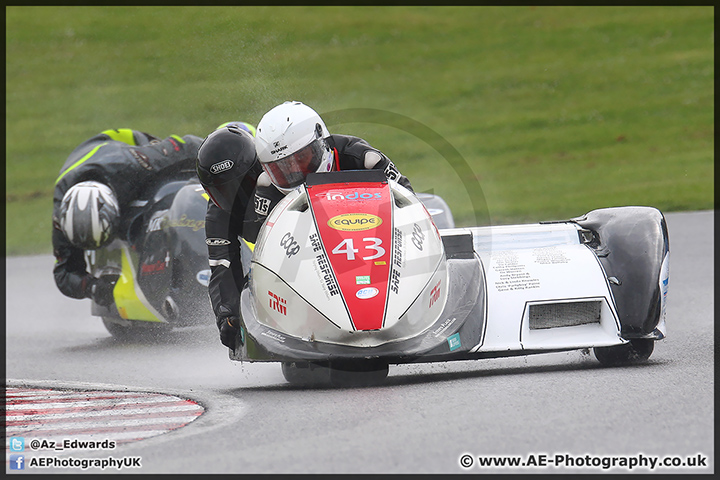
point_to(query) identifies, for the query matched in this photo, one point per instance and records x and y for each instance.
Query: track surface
(562, 406)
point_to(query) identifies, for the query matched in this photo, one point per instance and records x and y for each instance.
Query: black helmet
(227, 167)
(89, 215)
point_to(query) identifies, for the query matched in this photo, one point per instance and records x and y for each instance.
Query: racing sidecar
(162, 269)
(351, 274)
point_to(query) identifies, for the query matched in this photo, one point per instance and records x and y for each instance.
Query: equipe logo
(221, 166)
(354, 222)
(367, 292)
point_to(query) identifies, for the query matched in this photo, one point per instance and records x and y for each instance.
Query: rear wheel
(636, 350)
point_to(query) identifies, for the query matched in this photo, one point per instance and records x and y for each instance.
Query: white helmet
(291, 141)
(89, 215)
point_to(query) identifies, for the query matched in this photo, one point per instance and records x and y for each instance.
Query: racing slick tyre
(305, 373)
(635, 351)
(134, 331)
(358, 374)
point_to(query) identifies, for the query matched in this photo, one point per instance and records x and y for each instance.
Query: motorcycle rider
(292, 141)
(96, 185)
(228, 169)
(273, 171)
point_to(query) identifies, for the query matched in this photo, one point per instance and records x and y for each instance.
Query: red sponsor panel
(354, 221)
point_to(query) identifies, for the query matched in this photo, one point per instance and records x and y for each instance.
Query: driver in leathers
(291, 141)
(98, 181)
(228, 169)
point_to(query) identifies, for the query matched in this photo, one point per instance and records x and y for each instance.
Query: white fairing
(296, 291)
(543, 268)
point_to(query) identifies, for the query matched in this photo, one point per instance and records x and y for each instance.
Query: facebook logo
(17, 444)
(17, 462)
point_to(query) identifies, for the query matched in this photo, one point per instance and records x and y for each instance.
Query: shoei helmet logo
(221, 166)
(367, 292)
(354, 222)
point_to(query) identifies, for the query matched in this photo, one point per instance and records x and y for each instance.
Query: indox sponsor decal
(354, 222)
(341, 195)
(221, 166)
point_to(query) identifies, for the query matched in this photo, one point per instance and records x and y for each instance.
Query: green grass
(512, 114)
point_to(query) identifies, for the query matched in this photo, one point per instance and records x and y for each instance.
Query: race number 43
(371, 244)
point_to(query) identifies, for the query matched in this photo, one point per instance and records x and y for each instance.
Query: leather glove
(229, 331)
(101, 290)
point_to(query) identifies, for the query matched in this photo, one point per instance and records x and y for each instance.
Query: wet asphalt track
(560, 407)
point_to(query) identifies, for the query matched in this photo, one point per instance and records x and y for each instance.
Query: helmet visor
(290, 171)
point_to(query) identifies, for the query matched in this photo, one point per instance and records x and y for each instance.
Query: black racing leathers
(223, 230)
(133, 164)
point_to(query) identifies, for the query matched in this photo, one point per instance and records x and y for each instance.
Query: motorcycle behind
(162, 272)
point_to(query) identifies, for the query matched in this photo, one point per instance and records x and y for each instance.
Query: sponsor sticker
(362, 280)
(341, 195)
(278, 303)
(262, 205)
(217, 241)
(354, 222)
(367, 292)
(454, 341)
(203, 277)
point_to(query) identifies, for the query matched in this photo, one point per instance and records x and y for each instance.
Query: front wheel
(636, 350)
(359, 373)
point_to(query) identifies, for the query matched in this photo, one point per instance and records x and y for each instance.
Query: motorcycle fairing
(355, 225)
(130, 300)
(296, 282)
(545, 289)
